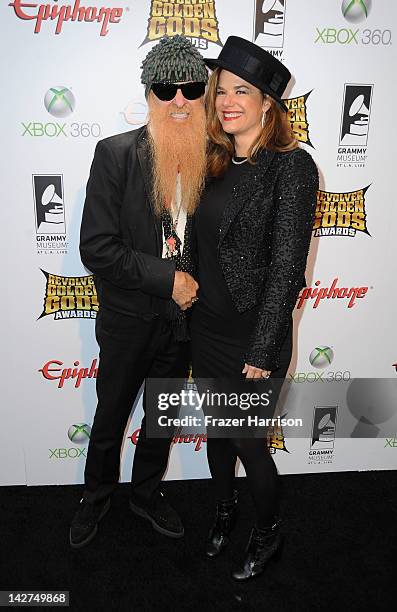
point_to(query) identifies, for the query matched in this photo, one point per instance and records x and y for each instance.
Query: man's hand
(185, 289)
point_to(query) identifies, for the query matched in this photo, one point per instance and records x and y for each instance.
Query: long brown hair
(276, 135)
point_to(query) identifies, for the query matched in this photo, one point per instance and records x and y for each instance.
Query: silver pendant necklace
(237, 163)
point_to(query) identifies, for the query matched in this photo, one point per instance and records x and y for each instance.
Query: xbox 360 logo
(355, 11)
(321, 356)
(59, 101)
(79, 433)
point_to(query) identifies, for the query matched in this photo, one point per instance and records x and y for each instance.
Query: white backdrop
(71, 73)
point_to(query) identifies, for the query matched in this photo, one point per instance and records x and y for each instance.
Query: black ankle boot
(218, 537)
(263, 545)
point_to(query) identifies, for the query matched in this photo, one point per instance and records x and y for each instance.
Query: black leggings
(213, 358)
(260, 469)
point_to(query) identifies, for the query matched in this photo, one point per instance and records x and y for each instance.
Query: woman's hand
(253, 372)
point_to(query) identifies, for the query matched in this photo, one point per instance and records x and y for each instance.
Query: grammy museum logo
(341, 214)
(49, 212)
(195, 19)
(323, 436)
(269, 20)
(354, 128)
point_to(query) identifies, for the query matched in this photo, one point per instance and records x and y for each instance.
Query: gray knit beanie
(173, 60)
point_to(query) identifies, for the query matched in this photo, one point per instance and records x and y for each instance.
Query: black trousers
(131, 349)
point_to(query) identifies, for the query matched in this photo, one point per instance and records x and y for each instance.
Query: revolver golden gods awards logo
(341, 214)
(297, 116)
(195, 19)
(275, 439)
(70, 297)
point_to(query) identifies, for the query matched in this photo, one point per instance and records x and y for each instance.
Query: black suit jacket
(264, 241)
(121, 237)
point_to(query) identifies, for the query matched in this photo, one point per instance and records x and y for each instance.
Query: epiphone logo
(52, 370)
(60, 14)
(318, 294)
(179, 438)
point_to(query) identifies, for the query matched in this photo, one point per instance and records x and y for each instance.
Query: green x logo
(78, 429)
(356, 10)
(59, 94)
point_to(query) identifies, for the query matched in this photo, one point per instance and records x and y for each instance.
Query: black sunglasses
(167, 91)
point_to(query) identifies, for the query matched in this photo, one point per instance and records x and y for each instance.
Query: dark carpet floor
(340, 549)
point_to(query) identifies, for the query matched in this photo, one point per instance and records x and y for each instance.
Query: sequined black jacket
(264, 241)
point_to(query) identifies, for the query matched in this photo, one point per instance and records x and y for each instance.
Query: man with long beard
(136, 229)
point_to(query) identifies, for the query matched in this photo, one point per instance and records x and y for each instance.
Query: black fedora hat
(254, 65)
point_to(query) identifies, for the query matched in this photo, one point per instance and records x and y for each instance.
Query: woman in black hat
(253, 230)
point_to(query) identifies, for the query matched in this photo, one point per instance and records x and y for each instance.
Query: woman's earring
(263, 119)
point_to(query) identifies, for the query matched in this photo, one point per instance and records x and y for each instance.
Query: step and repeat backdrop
(71, 74)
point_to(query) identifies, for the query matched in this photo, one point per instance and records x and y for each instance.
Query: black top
(215, 302)
(264, 240)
